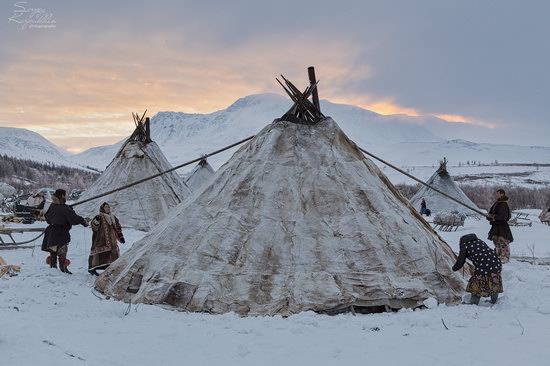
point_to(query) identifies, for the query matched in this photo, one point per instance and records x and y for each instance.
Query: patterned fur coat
(106, 232)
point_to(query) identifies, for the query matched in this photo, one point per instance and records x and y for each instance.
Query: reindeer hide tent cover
(298, 219)
(144, 205)
(436, 202)
(199, 175)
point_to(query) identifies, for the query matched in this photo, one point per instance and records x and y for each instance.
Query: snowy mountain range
(25, 144)
(402, 139)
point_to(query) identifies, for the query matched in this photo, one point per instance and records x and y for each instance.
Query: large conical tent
(298, 219)
(144, 205)
(199, 175)
(436, 202)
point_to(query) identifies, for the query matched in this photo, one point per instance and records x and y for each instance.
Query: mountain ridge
(184, 136)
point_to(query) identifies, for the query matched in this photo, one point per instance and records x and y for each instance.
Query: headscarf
(109, 217)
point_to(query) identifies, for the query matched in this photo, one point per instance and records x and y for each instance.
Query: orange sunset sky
(77, 82)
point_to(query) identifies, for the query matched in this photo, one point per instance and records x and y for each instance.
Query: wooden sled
(7, 240)
(520, 219)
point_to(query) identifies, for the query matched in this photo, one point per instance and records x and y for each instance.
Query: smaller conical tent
(199, 175)
(436, 202)
(144, 205)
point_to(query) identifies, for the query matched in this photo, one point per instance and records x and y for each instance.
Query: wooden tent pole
(313, 81)
(148, 128)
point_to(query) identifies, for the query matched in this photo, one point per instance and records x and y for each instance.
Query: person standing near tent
(106, 232)
(60, 219)
(487, 278)
(423, 209)
(500, 232)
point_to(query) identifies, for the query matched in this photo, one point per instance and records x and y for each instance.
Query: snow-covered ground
(49, 318)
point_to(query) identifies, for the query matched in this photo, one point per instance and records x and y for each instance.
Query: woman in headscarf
(487, 278)
(106, 233)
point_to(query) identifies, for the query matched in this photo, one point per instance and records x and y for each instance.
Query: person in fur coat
(107, 232)
(60, 219)
(500, 233)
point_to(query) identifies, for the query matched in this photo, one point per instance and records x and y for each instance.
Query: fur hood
(502, 199)
(57, 201)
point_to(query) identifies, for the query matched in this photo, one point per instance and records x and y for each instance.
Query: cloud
(483, 63)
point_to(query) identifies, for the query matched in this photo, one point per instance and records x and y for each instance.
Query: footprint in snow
(242, 350)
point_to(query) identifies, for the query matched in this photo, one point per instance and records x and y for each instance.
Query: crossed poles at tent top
(141, 132)
(302, 111)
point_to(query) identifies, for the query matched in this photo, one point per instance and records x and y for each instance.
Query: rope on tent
(160, 170)
(17, 245)
(145, 217)
(162, 173)
(239, 143)
(423, 183)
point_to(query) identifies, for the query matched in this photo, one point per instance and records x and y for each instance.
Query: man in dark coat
(487, 279)
(423, 207)
(500, 232)
(60, 219)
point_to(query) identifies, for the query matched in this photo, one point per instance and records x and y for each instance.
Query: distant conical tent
(199, 175)
(298, 219)
(145, 204)
(436, 202)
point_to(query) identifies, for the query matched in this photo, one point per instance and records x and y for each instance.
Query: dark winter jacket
(499, 224)
(482, 256)
(60, 218)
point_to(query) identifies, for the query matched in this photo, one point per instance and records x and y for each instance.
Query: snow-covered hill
(185, 136)
(418, 154)
(98, 157)
(402, 139)
(25, 144)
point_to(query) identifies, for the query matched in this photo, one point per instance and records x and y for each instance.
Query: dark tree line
(484, 196)
(520, 197)
(27, 175)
